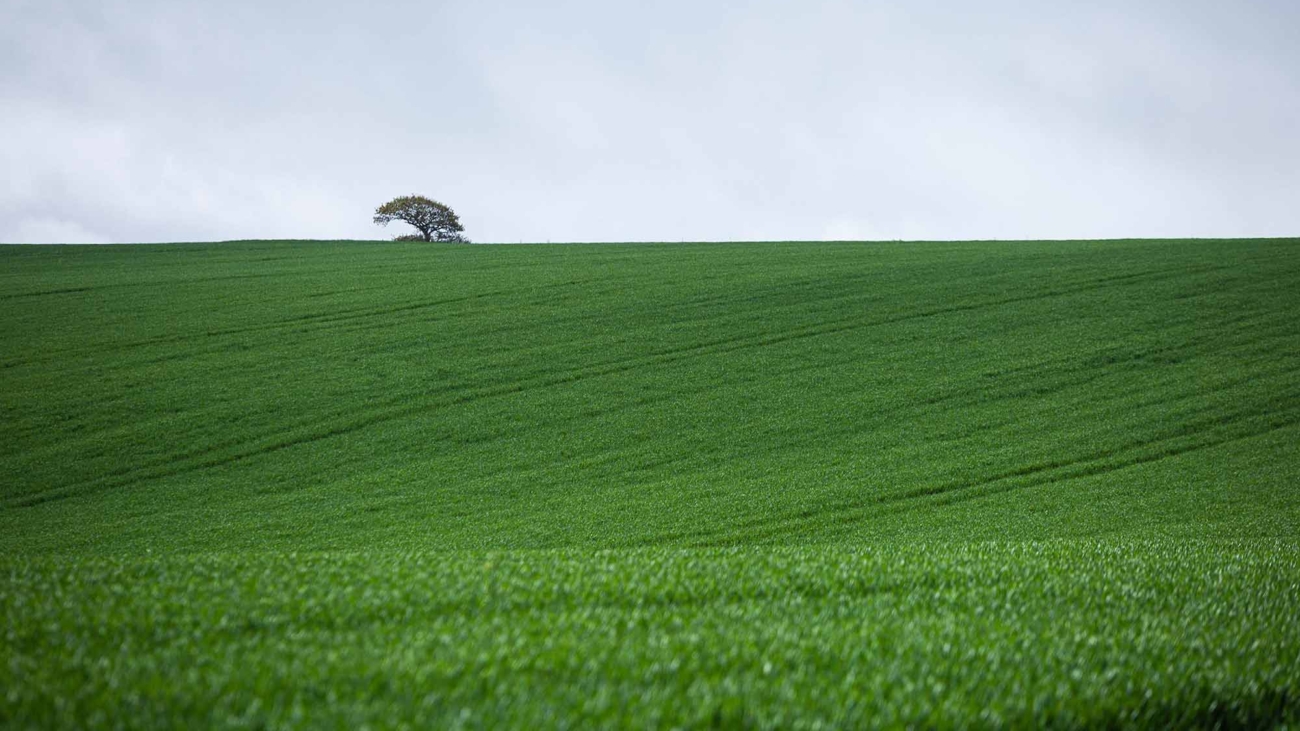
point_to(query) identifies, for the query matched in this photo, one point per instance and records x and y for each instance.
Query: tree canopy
(434, 221)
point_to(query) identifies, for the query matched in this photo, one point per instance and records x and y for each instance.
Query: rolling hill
(280, 484)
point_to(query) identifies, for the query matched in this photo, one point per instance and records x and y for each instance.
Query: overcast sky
(137, 120)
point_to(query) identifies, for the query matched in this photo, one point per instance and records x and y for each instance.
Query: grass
(1069, 634)
(329, 483)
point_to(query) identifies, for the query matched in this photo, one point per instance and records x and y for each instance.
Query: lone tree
(434, 221)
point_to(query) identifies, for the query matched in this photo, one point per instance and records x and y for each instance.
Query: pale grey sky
(167, 120)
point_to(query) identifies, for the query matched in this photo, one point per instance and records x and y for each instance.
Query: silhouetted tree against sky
(435, 221)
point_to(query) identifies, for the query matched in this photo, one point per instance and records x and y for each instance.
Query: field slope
(278, 484)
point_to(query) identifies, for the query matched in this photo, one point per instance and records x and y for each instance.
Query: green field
(276, 484)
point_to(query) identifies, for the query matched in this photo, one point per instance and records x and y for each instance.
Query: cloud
(157, 121)
(53, 231)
